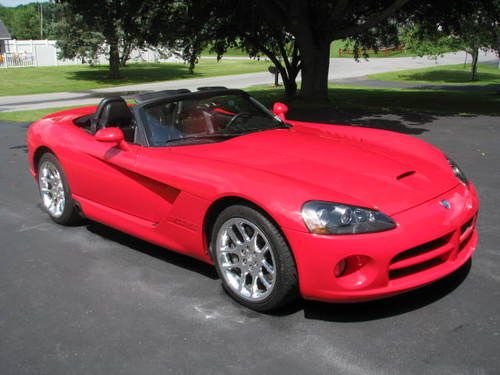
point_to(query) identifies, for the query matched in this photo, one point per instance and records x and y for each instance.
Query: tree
(174, 27)
(218, 29)
(468, 25)
(75, 41)
(25, 21)
(121, 24)
(296, 34)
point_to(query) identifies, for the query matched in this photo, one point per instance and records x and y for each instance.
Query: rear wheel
(54, 191)
(253, 259)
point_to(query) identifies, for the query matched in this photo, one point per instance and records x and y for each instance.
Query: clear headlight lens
(457, 171)
(335, 218)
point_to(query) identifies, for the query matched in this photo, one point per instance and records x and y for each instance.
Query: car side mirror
(110, 135)
(280, 109)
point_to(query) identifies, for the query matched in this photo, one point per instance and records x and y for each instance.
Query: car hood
(366, 173)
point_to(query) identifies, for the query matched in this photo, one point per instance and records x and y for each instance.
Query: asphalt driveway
(91, 300)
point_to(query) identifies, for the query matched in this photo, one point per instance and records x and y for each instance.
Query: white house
(4, 35)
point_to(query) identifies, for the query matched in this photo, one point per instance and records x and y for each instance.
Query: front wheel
(54, 191)
(253, 259)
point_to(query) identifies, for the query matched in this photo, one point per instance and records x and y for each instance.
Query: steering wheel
(237, 116)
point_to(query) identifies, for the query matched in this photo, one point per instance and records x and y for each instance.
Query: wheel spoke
(243, 280)
(255, 286)
(253, 242)
(267, 266)
(228, 264)
(233, 236)
(243, 232)
(264, 281)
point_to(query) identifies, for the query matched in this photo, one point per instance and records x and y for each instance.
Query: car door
(104, 174)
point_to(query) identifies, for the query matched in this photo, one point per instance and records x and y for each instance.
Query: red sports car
(280, 207)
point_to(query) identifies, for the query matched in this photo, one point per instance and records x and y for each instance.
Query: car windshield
(206, 118)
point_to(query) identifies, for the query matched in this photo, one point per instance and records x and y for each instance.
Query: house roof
(4, 33)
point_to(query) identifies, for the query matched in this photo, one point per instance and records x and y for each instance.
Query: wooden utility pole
(41, 21)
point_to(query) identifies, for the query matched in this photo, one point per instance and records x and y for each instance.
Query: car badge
(445, 203)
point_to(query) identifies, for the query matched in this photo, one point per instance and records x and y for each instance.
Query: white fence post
(35, 56)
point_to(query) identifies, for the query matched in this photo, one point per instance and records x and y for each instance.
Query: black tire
(70, 214)
(285, 289)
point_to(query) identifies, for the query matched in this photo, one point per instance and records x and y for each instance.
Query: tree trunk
(288, 77)
(290, 87)
(498, 48)
(194, 53)
(114, 57)
(125, 55)
(475, 56)
(192, 63)
(315, 66)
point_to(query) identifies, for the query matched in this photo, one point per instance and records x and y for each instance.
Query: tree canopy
(294, 34)
(120, 24)
(31, 21)
(468, 25)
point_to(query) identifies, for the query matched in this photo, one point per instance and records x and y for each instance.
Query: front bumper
(429, 242)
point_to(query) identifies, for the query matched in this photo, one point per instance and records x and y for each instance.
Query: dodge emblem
(445, 203)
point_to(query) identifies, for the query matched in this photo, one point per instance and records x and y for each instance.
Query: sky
(15, 3)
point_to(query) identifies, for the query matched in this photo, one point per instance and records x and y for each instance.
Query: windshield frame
(140, 110)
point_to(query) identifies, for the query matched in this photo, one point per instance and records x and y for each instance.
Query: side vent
(406, 174)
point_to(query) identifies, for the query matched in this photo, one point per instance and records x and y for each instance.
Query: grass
(29, 116)
(23, 81)
(444, 74)
(334, 52)
(374, 100)
(340, 44)
(382, 100)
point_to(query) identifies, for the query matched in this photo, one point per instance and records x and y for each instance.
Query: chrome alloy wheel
(246, 260)
(51, 189)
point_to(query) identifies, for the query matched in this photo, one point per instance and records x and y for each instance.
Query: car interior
(175, 119)
(111, 112)
(115, 112)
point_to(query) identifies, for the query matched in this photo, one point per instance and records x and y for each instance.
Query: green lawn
(340, 44)
(377, 100)
(29, 116)
(444, 74)
(374, 100)
(23, 81)
(334, 52)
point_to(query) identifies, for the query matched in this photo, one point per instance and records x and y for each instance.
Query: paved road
(340, 68)
(90, 300)
(367, 82)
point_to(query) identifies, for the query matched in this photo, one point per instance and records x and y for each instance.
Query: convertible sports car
(280, 207)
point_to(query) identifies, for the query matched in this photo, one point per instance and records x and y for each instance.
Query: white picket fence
(16, 60)
(26, 53)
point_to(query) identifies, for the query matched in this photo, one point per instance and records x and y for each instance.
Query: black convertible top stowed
(163, 94)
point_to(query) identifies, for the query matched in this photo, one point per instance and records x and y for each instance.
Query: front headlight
(335, 218)
(457, 171)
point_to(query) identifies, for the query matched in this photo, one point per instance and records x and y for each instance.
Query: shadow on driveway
(380, 309)
(334, 312)
(405, 122)
(180, 260)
